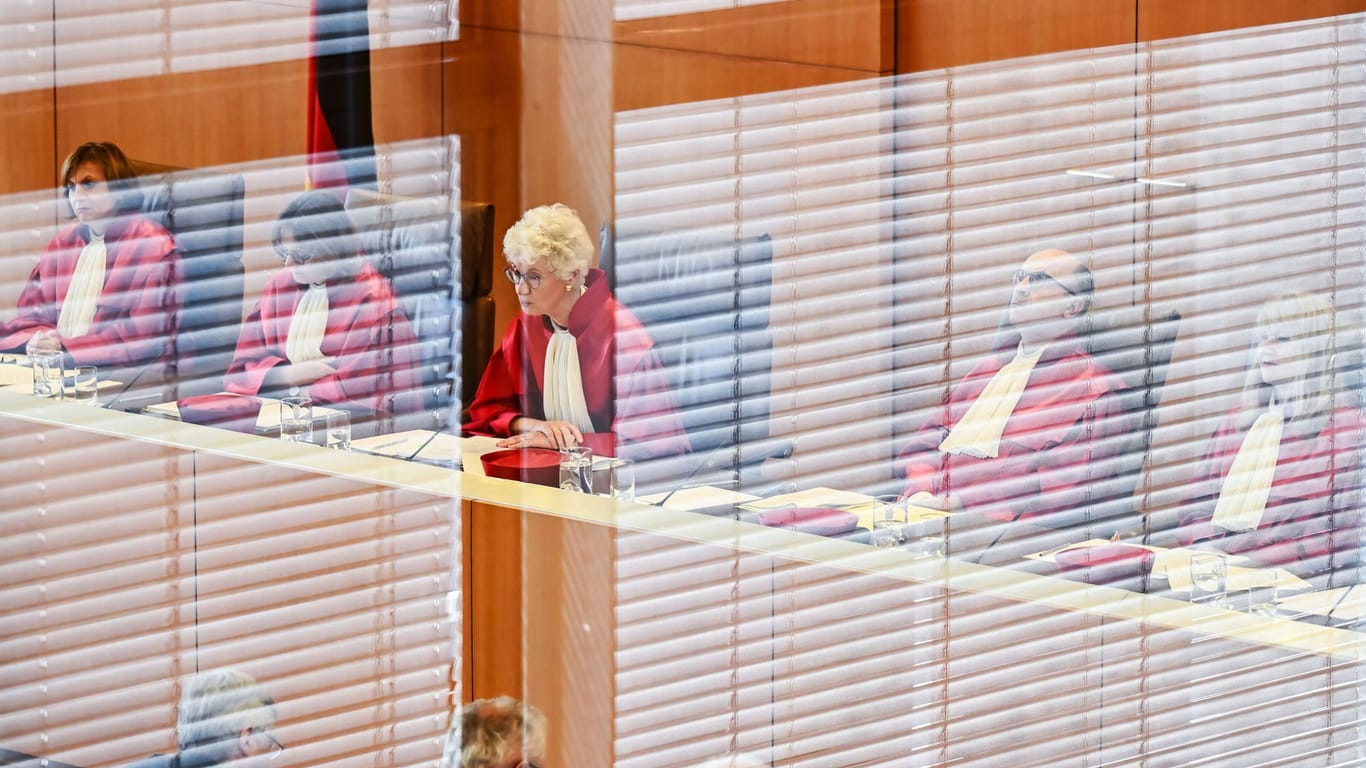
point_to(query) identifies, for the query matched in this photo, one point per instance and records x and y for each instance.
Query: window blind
(1201, 176)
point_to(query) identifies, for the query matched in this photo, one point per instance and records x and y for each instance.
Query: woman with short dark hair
(328, 325)
(104, 288)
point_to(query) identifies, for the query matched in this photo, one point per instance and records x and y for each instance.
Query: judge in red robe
(575, 363)
(104, 289)
(1302, 513)
(1033, 477)
(328, 326)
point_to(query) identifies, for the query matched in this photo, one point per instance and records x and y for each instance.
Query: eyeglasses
(1034, 277)
(296, 255)
(532, 279)
(276, 748)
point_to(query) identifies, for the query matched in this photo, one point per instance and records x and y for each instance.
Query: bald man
(1015, 445)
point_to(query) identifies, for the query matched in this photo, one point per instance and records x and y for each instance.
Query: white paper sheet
(700, 497)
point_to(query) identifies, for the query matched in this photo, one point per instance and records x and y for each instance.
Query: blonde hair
(1313, 325)
(491, 729)
(553, 235)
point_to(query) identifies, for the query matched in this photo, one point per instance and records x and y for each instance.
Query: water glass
(889, 521)
(576, 469)
(296, 419)
(927, 537)
(623, 479)
(1262, 597)
(339, 430)
(1209, 578)
(47, 373)
(85, 385)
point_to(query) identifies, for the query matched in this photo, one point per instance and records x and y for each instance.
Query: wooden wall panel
(494, 564)
(651, 77)
(846, 34)
(405, 88)
(1160, 19)
(932, 34)
(28, 159)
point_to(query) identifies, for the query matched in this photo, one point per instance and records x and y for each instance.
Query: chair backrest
(1135, 344)
(705, 303)
(409, 241)
(203, 212)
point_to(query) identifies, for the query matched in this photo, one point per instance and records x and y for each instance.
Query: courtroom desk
(653, 637)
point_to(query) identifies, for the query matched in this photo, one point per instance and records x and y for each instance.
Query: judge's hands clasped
(535, 433)
(43, 341)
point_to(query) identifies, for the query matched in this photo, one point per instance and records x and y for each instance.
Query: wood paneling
(1159, 19)
(651, 77)
(28, 159)
(494, 654)
(932, 34)
(405, 88)
(845, 34)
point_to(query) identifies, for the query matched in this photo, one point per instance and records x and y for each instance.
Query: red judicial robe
(1310, 523)
(374, 347)
(624, 385)
(1060, 438)
(135, 317)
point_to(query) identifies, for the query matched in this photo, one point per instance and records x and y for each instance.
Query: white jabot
(1242, 499)
(307, 327)
(978, 433)
(82, 296)
(564, 400)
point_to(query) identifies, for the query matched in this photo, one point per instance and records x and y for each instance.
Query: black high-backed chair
(409, 240)
(705, 303)
(203, 212)
(1134, 343)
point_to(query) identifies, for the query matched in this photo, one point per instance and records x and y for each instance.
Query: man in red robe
(1058, 438)
(625, 388)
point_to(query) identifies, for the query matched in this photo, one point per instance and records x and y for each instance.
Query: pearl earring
(568, 287)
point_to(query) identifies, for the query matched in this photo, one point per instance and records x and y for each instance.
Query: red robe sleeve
(135, 318)
(502, 394)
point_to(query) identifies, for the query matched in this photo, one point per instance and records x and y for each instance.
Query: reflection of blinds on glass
(95, 41)
(124, 581)
(1195, 177)
(628, 10)
(130, 564)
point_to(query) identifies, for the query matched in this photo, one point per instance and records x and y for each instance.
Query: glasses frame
(1023, 275)
(293, 255)
(532, 279)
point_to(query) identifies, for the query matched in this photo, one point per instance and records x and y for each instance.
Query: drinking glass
(926, 537)
(623, 481)
(339, 430)
(576, 469)
(1262, 597)
(1209, 579)
(47, 373)
(85, 385)
(296, 419)
(889, 521)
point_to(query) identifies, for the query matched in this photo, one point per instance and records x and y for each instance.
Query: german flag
(340, 136)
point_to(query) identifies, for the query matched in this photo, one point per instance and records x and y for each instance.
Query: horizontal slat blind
(1200, 176)
(91, 41)
(129, 566)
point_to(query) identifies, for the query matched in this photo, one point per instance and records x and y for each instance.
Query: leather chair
(203, 212)
(705, 302)
(409, 241)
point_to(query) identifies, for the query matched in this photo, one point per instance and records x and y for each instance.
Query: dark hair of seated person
(118, 172)
(318, 217)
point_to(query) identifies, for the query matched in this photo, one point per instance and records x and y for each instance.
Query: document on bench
(439, 448)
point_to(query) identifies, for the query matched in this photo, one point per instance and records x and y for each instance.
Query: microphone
(141, 370)
(454, 463)
(709, 461)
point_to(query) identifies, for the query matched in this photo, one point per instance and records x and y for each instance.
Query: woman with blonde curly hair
(574, 363)
(1279, 479)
